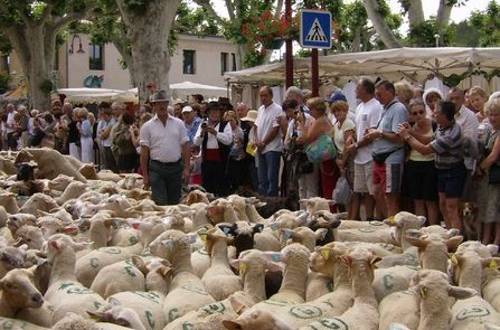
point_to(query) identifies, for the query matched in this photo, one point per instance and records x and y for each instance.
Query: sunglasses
(417, 113)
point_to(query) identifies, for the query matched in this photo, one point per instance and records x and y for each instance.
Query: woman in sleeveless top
(420, 172)
(489, 193)
(321, 125)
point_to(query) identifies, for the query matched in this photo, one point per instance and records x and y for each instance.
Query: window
(233, 57)
(96, 57)
(188, 64)
(223, 63)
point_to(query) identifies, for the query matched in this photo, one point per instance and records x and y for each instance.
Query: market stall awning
(89, 95)
(186, 88)
(394, 64)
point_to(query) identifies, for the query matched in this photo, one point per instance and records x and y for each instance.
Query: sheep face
(323, 260)
(18, 285)
(31, 236)
(168, 244)
(242, 234)
(258, 319)
(12, 257)
(16, 221)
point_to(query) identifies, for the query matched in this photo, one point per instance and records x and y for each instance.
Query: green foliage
(46, 86)
(5, 46)
(254, 58)
(4, 82)
(422, 35)
(194, 21)
(487, 24)
(464, 35)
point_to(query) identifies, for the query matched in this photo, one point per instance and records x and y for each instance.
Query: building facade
(81, 63)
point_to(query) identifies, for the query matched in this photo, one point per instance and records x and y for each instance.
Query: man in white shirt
(469, 124)
(368, 115)
(214, 137)
(165, 153)
(269, 143)
(104, 134)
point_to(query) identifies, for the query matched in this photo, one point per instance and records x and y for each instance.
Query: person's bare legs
(419, 207)
(392, 202)
(369, 204)
(452, 211)
(353, 207)
(444, 210)
(380, 202)
(487, 228)
(432, 212)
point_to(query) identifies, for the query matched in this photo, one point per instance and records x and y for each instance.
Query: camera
(204, 125)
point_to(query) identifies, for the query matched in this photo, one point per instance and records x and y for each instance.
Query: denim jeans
(268, 171)
(166, 182)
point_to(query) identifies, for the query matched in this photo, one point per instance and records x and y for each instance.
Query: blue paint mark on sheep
(388, 279)
(305, 312)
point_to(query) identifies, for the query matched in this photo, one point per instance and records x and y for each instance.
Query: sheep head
(172, 244)
(12, 257)
(242, 233)
(215, 235)
(18, 287)
(16, 221)
(326, 258)
(258, 319)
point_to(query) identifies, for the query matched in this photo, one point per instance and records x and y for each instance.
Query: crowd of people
(401, 149)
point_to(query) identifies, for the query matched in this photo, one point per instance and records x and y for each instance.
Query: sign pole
(288, 47)
(314, 72)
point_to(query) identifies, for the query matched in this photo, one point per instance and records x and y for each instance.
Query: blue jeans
(268, 171)
(166, 182)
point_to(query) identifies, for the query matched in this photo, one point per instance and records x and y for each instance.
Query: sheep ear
(493, 248)
(96, 315)
(235, 263)
(258, 228)
(232, 325)
(139, 264)
(321, 234)
(415, 238)
(325, 252)
(374, 261)
(461, 293)
(70, 230)
(453, 242)
(237, 305)
(422, 219)
(109, 223)
(55, 244)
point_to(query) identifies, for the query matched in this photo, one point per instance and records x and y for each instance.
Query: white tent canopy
(412, 63)
(187, 88)
(89, 95)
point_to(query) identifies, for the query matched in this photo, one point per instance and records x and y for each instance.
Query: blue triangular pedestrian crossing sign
(316, 29)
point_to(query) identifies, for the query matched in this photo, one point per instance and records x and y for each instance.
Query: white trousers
(74, 151)
(87, 149)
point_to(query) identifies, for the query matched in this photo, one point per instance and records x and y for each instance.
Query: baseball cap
(187, 108)
(337, 96)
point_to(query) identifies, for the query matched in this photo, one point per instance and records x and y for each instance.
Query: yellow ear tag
(493, 264)
(454, 260)
(325, 253)
(391, 220)
(423, 292)
(242, 268)
(203, 236)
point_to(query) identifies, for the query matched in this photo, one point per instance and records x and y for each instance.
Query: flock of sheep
(81, 249)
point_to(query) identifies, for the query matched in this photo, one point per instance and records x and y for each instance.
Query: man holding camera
(165, 153)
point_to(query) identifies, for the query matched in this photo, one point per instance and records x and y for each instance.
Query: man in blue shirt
(388, 148)
(191, 121)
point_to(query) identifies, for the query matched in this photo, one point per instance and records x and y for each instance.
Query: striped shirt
(448, 147)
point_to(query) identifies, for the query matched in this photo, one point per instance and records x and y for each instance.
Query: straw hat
(251, 116)
(160, 96)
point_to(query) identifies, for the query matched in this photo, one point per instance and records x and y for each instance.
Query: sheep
(121, 276)
(491, 284)
(38, 202)
(18, 292)
(11, 258)
(148, 304)
(74, 190)
(219, 280)
(187, 292)
(242, 234)
(221, 211)
(239, 204)
(364, 313)
(9, 203)
(251, 265)
(258, 319)
(16, 221)
(31, 236)
(60, 214)
(314, 204)
(195, 196)
(64, 292)
(434, 290)
(119, 315)
(60, 182)
(15, 324)
(3, 216)
(471, 313)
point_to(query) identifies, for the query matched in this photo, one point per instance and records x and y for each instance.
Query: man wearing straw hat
(165, 152)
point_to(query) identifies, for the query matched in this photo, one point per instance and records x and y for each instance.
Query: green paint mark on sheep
(97, 304)
(151, 296)
(94, 262)
(376, 223)
(187, 326)
(130, 271)
(275, 302)
(114, 301)
(305, 312)
(132, 240)
(65, 285)
(111, 250)
(214, 308)
(192, 288)
(336, 324)
(149, 317)
(388, 279)
(472, 312)
(77, 290)
(7, 325)
(173, 314)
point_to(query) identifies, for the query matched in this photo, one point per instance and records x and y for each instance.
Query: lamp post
(437, 36)
(288, 46)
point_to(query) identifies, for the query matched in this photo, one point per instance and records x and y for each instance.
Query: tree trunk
(148, 34)
(4, 64)
(380, 25)
(415, 12)
(443, 15)
(356, 41)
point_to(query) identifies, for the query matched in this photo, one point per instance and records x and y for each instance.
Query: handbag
(494, 174)
(251, 149)
(321, 149)
(380, 157)
(342, 193)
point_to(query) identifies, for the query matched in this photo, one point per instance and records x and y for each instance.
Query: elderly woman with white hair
(86, 131)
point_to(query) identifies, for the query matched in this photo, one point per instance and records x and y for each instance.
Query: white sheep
(39, 202)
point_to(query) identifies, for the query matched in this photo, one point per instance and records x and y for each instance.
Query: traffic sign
(315, 29)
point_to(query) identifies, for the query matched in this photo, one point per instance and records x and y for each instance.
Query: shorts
(389, 176)
(363, 178)
(420, 180)
(470, 188)
(451, 181)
